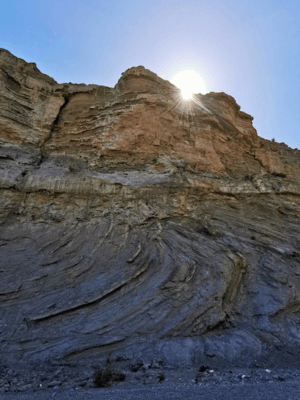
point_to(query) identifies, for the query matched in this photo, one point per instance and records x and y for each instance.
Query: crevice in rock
(93, 301)
(85, 349)
(13, 83)
(54, 126)
(234, 283)
(257, 160)
(55, 122)
(292, 308)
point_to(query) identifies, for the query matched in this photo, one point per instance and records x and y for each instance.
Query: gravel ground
(150, 382)
(73, 376)
(244, 391)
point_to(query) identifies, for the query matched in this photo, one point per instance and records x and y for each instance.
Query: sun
(189, 82)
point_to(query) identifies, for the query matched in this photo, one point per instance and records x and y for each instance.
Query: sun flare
(189, 82)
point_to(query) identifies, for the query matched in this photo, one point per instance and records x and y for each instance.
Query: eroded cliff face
(138, 225)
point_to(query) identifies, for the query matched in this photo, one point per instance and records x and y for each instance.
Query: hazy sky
(248, 49)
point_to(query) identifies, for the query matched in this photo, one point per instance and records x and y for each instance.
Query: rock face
(136, 225)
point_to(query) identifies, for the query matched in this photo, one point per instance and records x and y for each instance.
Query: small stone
(26, 387)
(54, 383)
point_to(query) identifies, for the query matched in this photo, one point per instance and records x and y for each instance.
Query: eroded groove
(91, 302)
(239, 269)
(135, 254)
(77, 352)
(54, 124)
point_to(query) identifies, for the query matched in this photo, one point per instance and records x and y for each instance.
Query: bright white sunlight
(189, 82)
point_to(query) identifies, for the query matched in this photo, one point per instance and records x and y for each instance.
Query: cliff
(136, 225)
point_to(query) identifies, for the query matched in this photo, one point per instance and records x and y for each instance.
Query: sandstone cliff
(138, 225)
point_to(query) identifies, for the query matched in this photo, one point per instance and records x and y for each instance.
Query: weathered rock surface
(136, 225)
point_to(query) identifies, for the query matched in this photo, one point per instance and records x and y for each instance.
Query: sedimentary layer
(135, 224)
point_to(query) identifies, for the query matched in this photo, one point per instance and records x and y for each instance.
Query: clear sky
(249, 49)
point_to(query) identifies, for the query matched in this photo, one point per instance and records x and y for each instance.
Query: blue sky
(248, 49)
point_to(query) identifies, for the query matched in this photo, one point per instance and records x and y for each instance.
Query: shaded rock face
(136, 225)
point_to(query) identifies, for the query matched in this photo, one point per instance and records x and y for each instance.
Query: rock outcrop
(136, 225)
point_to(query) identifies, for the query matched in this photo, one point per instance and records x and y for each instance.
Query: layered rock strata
(136, 225)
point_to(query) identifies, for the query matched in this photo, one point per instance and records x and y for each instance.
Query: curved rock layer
(138, 225)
